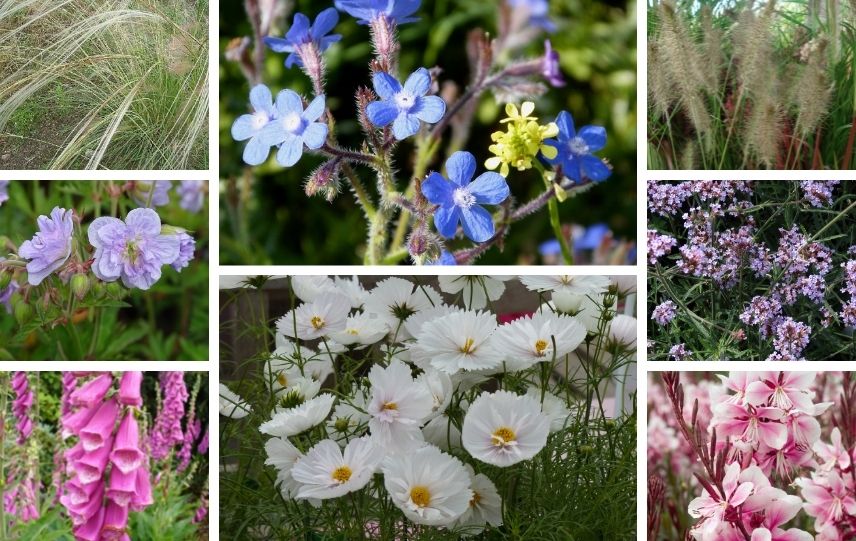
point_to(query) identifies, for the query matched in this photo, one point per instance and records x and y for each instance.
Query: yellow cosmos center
(540, 347)
(353, 332)
(474, 501)
(282, 379)
(503, 436)
(469, 346)
(317, 322)
(390, 406)
(420, 496)
(342, 474)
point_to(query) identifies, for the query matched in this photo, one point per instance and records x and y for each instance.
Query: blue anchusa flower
(539, 12)
(295, 127)
(460, 200)
(365, 11)
(302, 33)
(250, 126)
(406, 106)
(575, 150)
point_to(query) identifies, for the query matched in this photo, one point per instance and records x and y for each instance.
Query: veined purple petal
(490, 188)
(461, 167)
(381, 113)
(437, 189)
(418, 83)
(143, 221)
(477, 223)
(385, 85)
(446, 220)
(430, 109)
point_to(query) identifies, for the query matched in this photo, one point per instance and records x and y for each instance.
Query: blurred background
(267, 219)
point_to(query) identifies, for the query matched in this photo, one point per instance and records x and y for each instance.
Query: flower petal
(461, 167)
(493, 163)
(144, 220)
(594, 168)
(300, 26)
(566, 125)
(477, 223)
(261, 98)
(418, 83)
(381, 113)
(243, 128)
(287, 101)
(278, 45)
(490, 188)
(315, 109)
(404, 126)
(594, 136)
(429, 109)
(290, 151)
(273, 133)
(325, 22)
(446, 220)
(315, 134)
(385, 85)
(256, 152)
(437, 189)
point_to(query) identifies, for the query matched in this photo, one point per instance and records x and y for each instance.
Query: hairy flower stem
(358, 157)
(360, 191)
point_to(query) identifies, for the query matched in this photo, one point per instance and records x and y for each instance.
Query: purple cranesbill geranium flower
(366, 11)
(192, 194)
(550, 66)
(575, 150)
(539, 12)
(406, 106)
(460, 200)
(142, 191)
(4, 191)
(294, 127)
(50, 248)
(186, 249)
(302, 33)
(6, 295)
(250, 126)
(133, 250)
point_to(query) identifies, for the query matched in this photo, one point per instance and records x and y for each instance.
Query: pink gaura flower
(827, 498)
(803, 427)
(784, 461)
(737, 382)
(833, 454)
(712, 508)
(778, 508)
(751, 424)
(783, 390)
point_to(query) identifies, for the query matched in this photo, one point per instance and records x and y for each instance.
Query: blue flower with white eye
(365, 11)
(250, 126)
(294, 127)
(460, 200)
(303, 33)
(575, 150)
(406, 106)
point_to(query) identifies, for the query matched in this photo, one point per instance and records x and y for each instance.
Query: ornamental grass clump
(433, 411)
(751, 456)
(783, 250)
(63, 286)
(424, 214)
(753, 86)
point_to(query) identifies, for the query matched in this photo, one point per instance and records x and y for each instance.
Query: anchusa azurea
(407, 106)
(751, 455)
(427, 407)
(784, 252)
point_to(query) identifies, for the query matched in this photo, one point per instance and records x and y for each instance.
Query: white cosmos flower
(429, 486)
(442, 432)
(458, 341)
(485, 506)
(529, 340)
(232, 405)
(283, 455)
(553, 407)
(309, 288)
(325, 472)
(622, 329)
(324, 315)
(475, 290)
(349, 420)
(413, 324)
(439, 384)
(626, 284)
(579, 285)
(353, 289)
(362, 330)
(395, 299)
(503, 428)
(398, 407)
(592, 311)
(567, 303)
(292, 421)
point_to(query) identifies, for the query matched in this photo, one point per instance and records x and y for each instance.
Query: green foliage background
(278, 224)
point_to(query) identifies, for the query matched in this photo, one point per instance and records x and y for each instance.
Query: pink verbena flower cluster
(107, 468)
(753, 440)
(726, 234)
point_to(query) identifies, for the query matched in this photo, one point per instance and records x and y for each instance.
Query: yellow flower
(522, 140)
